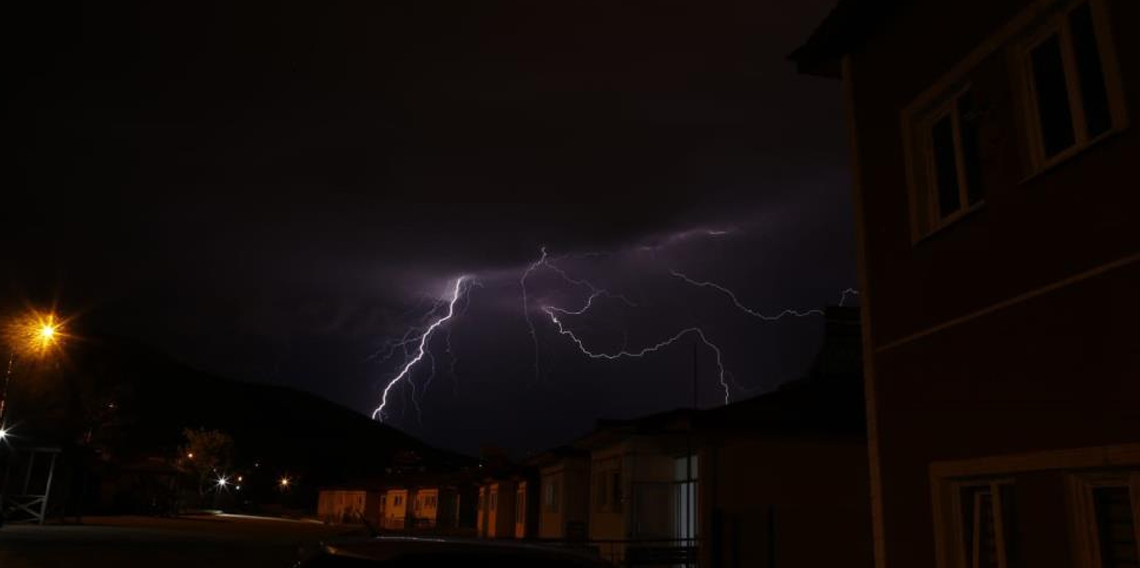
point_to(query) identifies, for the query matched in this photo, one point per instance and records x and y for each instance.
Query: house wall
(481, 512)
(500, 520)
(787, 502)
(373, 508)
(1014, 329)
(644, 510)
(523, 504)
(425, 507)
(341, 506)
(396, 509)
(571, 479)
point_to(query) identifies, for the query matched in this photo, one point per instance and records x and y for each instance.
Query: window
(600, 490)
(686, 470)
(550, 495)
(945, 160)
(986, 525)
(1071, 88)
(1109, 507)
(616, 491)
(1115, 527)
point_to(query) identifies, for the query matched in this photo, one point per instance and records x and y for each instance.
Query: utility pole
(689, 486)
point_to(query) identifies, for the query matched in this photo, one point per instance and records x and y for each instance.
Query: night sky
(276, 191)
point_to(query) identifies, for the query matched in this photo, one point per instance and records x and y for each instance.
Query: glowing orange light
(36, 333)
(284, 482)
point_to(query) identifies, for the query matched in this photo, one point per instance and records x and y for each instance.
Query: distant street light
(3, 433)
(284, 482)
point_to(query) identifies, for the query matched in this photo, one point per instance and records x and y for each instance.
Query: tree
(206, 455)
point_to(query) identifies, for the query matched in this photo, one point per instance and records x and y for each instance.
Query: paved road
(190, 542)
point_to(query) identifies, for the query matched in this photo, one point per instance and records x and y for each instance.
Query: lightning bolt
(625, 353)
(526, 306)
(732, 296)
(553, 313)
(544, 262)
(421, 349)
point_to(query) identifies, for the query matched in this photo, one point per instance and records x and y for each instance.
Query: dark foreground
(128, 542)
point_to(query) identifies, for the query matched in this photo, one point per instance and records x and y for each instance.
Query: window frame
(918, 121)
(947, 108)
(1086, 533)
(1079, 463)
(994, 485)
(1008, 41)
(1056, 22)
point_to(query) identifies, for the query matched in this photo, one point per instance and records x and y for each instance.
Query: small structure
(497, 507)
(639, 497)
(425, 510)
(395, 509)
(564, 493)
(526, 505)
(28, 476)
(405, 502)
(336, 506)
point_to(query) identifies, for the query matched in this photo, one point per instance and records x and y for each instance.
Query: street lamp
(35, 334)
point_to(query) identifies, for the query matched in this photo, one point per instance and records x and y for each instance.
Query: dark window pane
(1052, 97)
(986, 532)
(1094, 94)
(945, 166)
(968, 131)
(1009, 526)
(967, 500)
(1115, 525)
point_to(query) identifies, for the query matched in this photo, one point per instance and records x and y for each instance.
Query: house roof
(828, 400)
(555, 455)
(848, 24)
(409, 480)
(810, 406)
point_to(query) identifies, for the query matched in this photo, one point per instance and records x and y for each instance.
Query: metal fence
(644, 553)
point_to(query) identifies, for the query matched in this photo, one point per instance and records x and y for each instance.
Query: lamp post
(36, 334)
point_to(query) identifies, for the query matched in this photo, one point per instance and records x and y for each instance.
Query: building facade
(783, 472)
(999, 252)
(564, 493)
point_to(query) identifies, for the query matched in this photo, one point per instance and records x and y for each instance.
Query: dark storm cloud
(270, 188)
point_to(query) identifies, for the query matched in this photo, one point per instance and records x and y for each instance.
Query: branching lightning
(415, 344)
(526, 306)
(595, 292)
(421, 349)
(732, 296)
(848, 292)
(624, 353)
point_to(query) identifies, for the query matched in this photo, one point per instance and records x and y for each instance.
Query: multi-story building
(999, 255)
